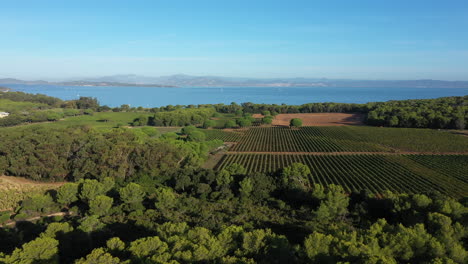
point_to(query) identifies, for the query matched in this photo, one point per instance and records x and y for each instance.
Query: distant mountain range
(7, 81)
(181, 80)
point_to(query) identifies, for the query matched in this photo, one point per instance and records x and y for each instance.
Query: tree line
(445, 112)
(82, 152)
(48, 109)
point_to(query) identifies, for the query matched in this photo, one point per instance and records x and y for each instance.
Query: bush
(140, 121)
(209, 123)
(88, 112)
(295, 122)
(244, 122)
(20, 216)
(53, 116)
(230, 124)
(4, 217)
(196, 136)
(71, 112)
(267, 120)
(151, 131)
(188, 130)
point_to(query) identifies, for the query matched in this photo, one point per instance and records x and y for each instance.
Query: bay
(153, 97)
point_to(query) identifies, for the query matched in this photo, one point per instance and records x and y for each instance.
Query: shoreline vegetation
(383, 182)
(439, 113)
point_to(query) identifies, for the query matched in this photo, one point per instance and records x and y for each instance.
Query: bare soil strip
(321, 119)
(20, 181)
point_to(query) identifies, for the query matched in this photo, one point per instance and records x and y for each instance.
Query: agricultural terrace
(320, 119)
(375, 173)
(346, 139)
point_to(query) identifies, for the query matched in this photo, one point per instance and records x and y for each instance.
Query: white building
(4, 114)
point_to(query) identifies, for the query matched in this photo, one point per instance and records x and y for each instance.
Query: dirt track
(34, 218)
(20, 181)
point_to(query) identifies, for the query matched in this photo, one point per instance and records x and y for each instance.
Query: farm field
(356, 157)
(347, 139)
(304, 139)
(320, 119)
(411, 139)
(224, 135)
(375, 173)
(450, 165)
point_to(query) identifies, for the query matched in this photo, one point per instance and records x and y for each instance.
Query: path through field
(12, 223)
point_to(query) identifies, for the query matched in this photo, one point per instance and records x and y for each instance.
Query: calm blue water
(152, 97)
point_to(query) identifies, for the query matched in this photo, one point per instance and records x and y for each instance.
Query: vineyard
(341, 139)
(411, 139)
(226, 136)
(356, 157)
(450, 165)
(305, 139)
(375, 173)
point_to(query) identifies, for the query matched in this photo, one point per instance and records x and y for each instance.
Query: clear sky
(374, 39)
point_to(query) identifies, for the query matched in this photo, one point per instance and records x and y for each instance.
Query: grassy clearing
(12, 106)
(15, 189)
(223, 119)
(412, 139)
(101, 121)
(104, 121)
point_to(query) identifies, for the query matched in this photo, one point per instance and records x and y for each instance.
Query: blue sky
(375, 39)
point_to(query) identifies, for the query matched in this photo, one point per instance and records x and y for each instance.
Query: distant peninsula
(81, 83)
(87, 83)
(182, 80)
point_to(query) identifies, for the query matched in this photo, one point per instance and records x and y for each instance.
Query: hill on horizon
(183, 80)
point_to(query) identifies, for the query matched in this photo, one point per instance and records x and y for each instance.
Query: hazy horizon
(369, 40)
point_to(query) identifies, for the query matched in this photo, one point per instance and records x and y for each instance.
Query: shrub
(209, 123)
(295, 122)
(230, 124)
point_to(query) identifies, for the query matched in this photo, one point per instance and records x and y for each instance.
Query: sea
(156, 96)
